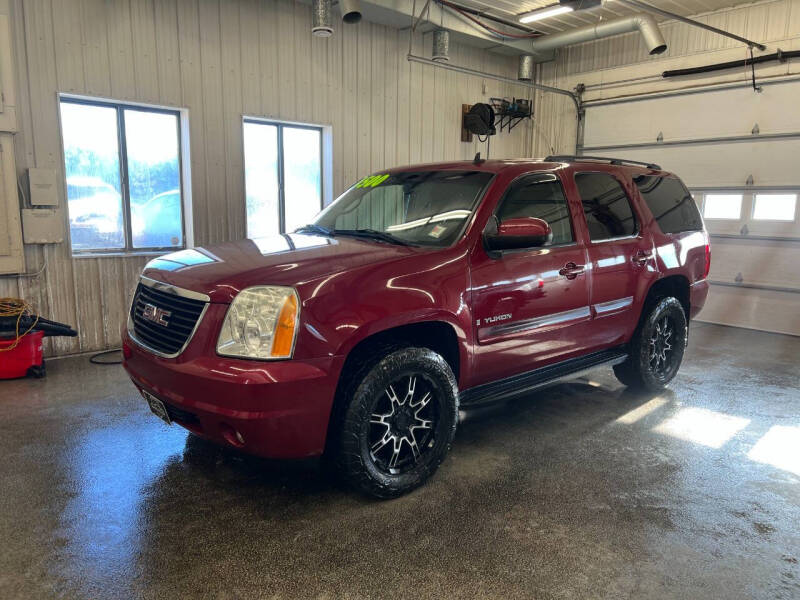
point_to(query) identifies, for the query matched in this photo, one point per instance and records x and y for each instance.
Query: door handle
(571, 270)
(641, 257)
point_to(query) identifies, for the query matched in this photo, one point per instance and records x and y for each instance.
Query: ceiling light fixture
(544, 13)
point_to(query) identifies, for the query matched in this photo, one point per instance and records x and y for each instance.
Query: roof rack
(613, 161)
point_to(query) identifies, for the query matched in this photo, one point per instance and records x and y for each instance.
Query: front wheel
(399, 423)
(657, 347)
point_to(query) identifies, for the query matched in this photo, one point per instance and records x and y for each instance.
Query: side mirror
(522, 232)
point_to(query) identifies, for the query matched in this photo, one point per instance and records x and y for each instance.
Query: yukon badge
(156, 315)
(496, 318)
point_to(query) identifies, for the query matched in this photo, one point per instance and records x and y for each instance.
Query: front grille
(166, 339)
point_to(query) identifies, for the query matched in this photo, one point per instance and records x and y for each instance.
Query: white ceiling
(611, 9)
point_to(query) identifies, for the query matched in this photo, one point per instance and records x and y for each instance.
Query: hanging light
(441, 45)
(321, 18)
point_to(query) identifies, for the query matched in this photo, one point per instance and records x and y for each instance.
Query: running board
(516, 385)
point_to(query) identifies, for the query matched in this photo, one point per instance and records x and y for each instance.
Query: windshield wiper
(373, 234)
(311, 228)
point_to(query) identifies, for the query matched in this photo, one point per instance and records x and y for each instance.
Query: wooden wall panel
(222, 59)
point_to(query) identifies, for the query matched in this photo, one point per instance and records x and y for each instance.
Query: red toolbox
(25, 359)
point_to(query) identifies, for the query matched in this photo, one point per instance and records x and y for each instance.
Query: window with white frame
(774, 206)
(722, 206)
(283, 175)
(123, 176)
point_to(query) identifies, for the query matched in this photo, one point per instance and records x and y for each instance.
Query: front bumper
(280, 409)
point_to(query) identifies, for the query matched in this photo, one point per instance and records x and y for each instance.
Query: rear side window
(606, 206)
(670, 202)
(539, 196)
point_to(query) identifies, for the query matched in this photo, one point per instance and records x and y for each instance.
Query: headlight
(261, 323)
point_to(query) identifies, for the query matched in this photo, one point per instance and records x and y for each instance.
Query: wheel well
(436, 335)
(674, 285)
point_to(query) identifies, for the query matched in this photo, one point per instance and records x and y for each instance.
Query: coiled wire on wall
(16, 307)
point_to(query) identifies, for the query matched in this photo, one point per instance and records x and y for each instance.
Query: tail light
(708, 259)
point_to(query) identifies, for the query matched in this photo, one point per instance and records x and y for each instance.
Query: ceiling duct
(321, 18)
(644, 24)
(525, 67)
(351, 10)
(441, 45)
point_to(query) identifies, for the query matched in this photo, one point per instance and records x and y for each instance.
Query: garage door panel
(712, 114)
(767, 263)
(754, 309)
(772, 162)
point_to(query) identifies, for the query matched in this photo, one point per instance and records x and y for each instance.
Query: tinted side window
(539, 196)
(670, 202)
(606, 206)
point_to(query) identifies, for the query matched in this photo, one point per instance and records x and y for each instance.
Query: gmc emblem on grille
(156, 315)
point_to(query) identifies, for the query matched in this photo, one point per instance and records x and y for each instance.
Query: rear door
(620, 254)
(530, 306)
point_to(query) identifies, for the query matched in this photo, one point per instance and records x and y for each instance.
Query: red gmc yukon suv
(418, 291)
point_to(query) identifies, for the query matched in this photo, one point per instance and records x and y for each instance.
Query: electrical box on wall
(42, 226)
(42, 185)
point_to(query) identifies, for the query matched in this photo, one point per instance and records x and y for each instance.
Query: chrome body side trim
(176, 291)
(559, 318)
(604, 308)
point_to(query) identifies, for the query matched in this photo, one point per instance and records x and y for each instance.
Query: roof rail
(613, 161)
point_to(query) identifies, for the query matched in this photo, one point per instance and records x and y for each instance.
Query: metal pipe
(441, 45)
(689, 91)
(351, 10)
(688, 21)
(766, 137)
(466, 71)
(645, 24)
(525, 68)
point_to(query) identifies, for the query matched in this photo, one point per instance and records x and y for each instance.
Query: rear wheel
(398, 424)
(656, 350)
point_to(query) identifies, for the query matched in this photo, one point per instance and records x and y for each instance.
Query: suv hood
(221, 271)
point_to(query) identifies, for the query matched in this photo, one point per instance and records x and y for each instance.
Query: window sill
(81, 255)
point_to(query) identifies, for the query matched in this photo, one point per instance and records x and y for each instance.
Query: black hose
(93, 358)
(733, 64)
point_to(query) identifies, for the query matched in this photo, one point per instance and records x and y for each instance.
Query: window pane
(302, 176)
(606, 206)
(722, 206)
(152, 144)
(670, 202)
(774, 207)
(423, 207)
(261, 179)
(91, 161)
(539, 196)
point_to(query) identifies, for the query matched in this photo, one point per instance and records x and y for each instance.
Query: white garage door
(739, 153)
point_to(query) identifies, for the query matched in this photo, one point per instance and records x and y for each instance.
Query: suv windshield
(423, 207)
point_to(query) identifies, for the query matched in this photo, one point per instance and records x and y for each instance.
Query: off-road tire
(641, 370)
(350, 450)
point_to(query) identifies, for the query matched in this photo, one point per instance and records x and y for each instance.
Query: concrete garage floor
(584, 490)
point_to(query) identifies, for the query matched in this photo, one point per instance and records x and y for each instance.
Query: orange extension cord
(15, 307)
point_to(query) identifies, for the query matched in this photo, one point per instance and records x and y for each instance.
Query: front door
(530, 306)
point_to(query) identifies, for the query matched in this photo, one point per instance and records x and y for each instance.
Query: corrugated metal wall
(222, 59)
